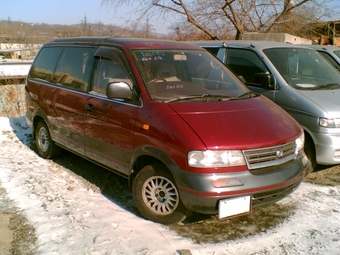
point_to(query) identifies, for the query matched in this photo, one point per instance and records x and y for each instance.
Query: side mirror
(266, 80)
(119, 90)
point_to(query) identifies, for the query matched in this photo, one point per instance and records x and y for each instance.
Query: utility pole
(85, 25)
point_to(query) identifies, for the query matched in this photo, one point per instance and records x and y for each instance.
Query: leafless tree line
(230, 19)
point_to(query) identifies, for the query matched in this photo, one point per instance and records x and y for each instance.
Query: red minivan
(170, 118)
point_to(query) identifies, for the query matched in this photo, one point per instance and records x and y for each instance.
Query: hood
(328, 100)
(239, 124)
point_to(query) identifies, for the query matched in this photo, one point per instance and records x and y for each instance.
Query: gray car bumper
(264, 186)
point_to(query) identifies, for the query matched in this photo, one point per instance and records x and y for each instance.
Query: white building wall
(276, 37)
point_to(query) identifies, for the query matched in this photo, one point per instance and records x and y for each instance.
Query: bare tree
(218, 19)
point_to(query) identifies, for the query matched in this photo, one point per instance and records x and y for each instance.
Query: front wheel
(45, 145)
(156, 195)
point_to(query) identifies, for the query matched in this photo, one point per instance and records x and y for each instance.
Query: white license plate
(233, 206)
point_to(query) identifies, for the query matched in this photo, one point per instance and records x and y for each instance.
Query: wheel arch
(39, 115)
(310, 148)
(147, 155)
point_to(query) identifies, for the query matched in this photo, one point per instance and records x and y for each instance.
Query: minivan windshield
(304, 68)
(187, 75)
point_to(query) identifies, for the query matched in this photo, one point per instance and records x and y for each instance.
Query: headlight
(300, 141)
(329, 123)
(215, 158)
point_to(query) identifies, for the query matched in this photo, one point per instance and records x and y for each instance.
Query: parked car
(169, 117)
(331, 53)
(296, 78)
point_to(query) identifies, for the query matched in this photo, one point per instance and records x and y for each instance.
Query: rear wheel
(45, 146)
(156, 195)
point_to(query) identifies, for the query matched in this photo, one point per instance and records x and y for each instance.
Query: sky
(64, 12)
(72, 217)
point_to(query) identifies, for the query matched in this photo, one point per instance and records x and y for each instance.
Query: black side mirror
(265, 79)
(119, 90)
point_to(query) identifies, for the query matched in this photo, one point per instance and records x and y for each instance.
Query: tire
(310, 152)
(156, 195)
(45, 145)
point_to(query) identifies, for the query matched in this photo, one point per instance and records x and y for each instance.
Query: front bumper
(327, 147)
(264, 186)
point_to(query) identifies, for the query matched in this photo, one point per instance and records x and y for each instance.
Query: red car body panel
(218, 130)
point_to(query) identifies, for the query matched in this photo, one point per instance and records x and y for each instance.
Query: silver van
(298, 79)
(330, 52)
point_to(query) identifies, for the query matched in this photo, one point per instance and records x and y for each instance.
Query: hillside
(38, 33)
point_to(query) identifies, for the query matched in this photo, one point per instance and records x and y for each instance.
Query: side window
(107, 70)
(330, 59)
(45, 64)
(212, 51)
(246, 65)
(74, 67)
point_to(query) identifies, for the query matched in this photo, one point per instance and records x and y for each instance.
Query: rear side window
(45, 63)
(245, 64)
(74, 67)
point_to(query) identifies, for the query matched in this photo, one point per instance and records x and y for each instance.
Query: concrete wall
(276, 37)
(19, 51)
(12, 100)
(336, 41)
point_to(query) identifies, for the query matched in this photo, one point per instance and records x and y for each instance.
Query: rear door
(64, 99)
(110, 123)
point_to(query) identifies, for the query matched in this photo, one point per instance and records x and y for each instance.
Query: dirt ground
(17, 235)
(5, 233)
(209, 229)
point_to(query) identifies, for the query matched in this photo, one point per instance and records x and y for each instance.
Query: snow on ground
(71, 217)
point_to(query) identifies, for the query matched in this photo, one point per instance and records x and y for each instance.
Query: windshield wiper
(249, 94)
(183, 98)
(327, 85)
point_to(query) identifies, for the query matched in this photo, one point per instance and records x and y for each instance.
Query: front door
(250, 69)
(110, 123)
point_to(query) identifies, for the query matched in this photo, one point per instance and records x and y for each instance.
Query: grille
(270, 156)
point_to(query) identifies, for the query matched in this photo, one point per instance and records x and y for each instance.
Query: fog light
(219, 183)
(337, 154)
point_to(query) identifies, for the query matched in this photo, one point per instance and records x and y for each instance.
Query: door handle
(89, 107)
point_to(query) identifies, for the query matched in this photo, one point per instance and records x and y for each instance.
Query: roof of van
(324, 47)
(246, 44)
(132, 43)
